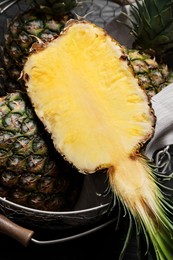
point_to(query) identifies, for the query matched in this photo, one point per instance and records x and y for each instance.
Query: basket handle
(15, 231)
(72, 237)
(24, 236)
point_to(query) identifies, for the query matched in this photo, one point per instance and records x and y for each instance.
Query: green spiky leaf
(152, 26)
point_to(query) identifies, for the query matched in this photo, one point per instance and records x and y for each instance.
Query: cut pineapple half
(86, 95)
(88, 98)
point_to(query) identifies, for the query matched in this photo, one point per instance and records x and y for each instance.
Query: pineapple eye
(9, 179)
(54, 26)
(16, 161)
(29, 127)
(24, 40)
(47, 36)
(139, 66)
(17, 106)
(6, 139)
(14, 28)
(13, 121)
(4, 109)
(19, 196)
(37, 200)
(46, 185)
(23, 145)
(51, 168)
(3, 156)
(34, 27)
(39, 146)
(35, 163)
(29, 181)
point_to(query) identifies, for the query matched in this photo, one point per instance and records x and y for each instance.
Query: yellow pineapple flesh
(85, 93)
(94, 91)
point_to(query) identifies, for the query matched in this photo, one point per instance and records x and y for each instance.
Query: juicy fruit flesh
(92, 90)
(89, 100)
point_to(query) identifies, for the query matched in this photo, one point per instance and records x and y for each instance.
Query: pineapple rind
(152, 76)
(43, 21)
(31, 172)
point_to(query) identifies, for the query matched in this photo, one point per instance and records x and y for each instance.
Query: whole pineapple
(110, 118)
(44, 20)
(31, 172)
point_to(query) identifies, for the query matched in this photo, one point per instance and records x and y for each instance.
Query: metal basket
(100, 12)
(90, 208)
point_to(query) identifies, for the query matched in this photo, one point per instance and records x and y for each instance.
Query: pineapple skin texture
(31, 172)
(23, 31)
(152, 76)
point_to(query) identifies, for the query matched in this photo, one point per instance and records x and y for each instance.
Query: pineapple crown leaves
(152, 25)
(57, 7)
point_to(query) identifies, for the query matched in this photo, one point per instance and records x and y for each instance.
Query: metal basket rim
(72, 212)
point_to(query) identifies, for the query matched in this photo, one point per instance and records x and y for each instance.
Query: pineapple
(152, 76)
(41, 23)
(151, 24)
(44, 20)
(31, 172)
(83, 79)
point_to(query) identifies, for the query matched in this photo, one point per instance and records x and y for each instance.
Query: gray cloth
(162, 104)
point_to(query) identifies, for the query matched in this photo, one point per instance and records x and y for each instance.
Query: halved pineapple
(88, 98)
(85, 93)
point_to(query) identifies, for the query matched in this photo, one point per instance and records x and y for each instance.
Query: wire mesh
(99, 11)
(164, 162)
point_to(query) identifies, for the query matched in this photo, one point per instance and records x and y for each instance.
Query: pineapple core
(88, 98)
